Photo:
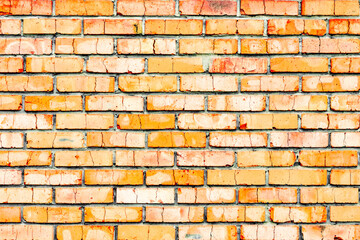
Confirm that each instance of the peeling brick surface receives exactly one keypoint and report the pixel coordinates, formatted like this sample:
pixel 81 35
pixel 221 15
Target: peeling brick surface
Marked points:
pixel 179 119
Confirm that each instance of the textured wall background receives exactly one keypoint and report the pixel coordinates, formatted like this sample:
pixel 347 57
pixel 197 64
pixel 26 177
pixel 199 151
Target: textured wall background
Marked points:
pixel 186 119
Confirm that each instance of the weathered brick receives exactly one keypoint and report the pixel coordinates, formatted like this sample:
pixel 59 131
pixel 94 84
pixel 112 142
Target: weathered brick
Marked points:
pixel 174 214
pixel 84 232
pixel 117 214
pixel 146 7
pixel 116 139
pixel 144 158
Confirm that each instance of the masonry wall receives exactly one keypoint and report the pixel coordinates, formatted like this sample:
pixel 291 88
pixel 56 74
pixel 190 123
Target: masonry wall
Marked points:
pixel 179 119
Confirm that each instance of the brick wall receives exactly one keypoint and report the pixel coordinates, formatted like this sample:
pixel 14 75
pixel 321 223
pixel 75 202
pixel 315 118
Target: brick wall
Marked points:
pixel 179 119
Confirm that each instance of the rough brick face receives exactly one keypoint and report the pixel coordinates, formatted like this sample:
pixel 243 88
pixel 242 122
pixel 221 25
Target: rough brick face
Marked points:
pixel 179 119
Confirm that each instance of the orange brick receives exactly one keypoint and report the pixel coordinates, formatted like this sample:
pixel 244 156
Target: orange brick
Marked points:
pixel 344 26
pixel 10 214
pixel 23 231
pixel 238 139
pixel 329 121
pixel 112 26
pixel 296 27
pixel 11 65
pixel 10 177
pixel 331 45
pixel 146 121
pixel 347 7
pixel 174 27
pixel 345 103
pixel 52 177
pixel 113 177
pixel 297 177
pixel 85 84
pixel 316 7
pixel 269 232
pixel 205 158
pixel 268 121
pixel 145 195
pixel 298 102
pixel 205 83
pixel 345 65
pixel 144 158
pixel 174 177
pixel 222 26
pixel 177 139
pixel 206 121
pixel 25 158
pixel 208 7
pixel 206 195
pixel 234 26
pixel 55 140
pixel 84 195
pixel 146 7
pixel 328 158
pixel 10 26
pixel 82 7
pixel 84 46
pixel 345 177
pixel 25 121
pixel 84 121
pixel 265 158
pixel 26 83
pixel 68 26
pixel 175 65
pixel 25 195
pixel 345 139
pixel 329 195
pixel 11 140
pixel 84 232
pixel 26 7
pixel 147 83
pixel 228 232
pixel 39 26
pixel 115 139
pixel 115 65
pixel 267 195
pixel 236 214
pixel 83 158
pixel 330 83
pixel 329 231
pixel 299 64
pixel 175 102
pixel 53 103
pixel 54 64
pixel 113 214
pixel 10 102
pixel 35 46
pixel 299 139
pixel 298 214
pixel 253 103
pixel 52 214
pixel 208 46
pixel 238 65
pixel 269 46
pixel 344 213
pixel 150 232
pixel 270 83
pixel 113 103
pixel 236 177
pixel 146 46
pixel 269 7
pixel 174 214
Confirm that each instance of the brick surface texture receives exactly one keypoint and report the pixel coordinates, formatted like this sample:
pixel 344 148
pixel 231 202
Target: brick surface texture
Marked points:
pixel 179 119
